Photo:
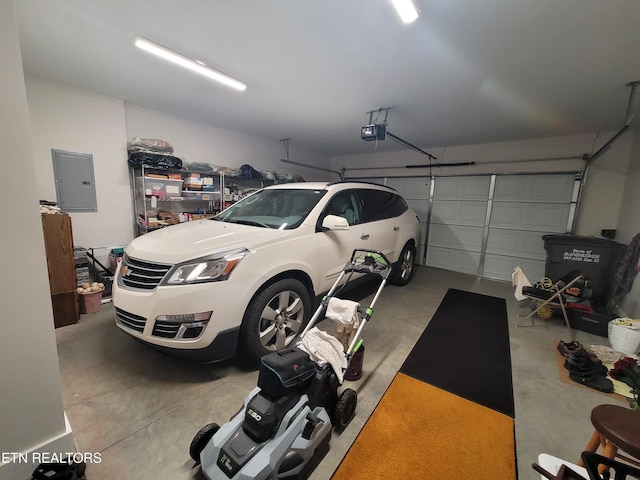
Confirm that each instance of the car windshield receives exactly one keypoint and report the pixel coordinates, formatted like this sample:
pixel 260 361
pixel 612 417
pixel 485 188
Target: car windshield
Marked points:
pixel 283 209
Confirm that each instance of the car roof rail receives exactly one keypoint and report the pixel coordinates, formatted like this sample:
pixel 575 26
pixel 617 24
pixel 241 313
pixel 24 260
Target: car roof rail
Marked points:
pixel 363 182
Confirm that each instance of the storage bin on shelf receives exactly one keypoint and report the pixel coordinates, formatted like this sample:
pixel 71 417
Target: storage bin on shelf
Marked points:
pixel 162 188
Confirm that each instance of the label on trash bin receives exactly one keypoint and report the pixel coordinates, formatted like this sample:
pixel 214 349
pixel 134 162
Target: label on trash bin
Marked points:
pixel 581 255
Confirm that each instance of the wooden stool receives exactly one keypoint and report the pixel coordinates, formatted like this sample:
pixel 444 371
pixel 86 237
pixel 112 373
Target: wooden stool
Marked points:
pixel 617 428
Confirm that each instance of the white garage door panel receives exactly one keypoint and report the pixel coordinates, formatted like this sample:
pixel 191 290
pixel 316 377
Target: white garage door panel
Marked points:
pixel 416 193
pixel 517 243
pixel 534 188
pixel 456 188
pixel 459 212
pixel 551 217
pixel 411 187
pixel 530 216
pixel 420 208
pixel 455 260
pixel 457 237
pixel 501 267
pixel 489 224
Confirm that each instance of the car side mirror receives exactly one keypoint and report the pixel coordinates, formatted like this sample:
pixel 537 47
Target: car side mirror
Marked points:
pixel 334 222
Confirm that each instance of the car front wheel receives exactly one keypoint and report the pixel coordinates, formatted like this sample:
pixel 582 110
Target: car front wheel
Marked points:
pixel 403 269
pixel 276 315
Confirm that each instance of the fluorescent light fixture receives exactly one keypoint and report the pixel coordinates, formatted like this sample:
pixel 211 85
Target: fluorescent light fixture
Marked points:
pixel 406 10
pixel 188 63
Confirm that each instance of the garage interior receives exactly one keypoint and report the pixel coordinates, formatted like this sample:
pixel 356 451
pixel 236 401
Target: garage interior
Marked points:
pixel 529 105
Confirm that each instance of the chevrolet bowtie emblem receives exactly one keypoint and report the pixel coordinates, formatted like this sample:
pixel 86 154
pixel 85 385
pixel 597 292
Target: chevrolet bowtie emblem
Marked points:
pixel 124 271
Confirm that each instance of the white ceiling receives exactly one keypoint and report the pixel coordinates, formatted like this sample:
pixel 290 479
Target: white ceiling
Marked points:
pixel 465 72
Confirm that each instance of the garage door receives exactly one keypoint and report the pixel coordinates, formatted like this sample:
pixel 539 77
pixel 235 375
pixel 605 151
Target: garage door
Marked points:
pixel 488 225
pixel 457 223
pixel 416 193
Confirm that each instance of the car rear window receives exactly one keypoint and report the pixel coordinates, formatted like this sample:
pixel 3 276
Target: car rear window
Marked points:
pixel 378 205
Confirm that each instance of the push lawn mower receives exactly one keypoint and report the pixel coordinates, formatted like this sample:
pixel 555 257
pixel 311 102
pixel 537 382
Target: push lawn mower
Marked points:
pixel 284 427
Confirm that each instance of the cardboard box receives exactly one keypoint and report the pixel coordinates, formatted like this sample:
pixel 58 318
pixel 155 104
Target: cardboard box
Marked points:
pixel 189 181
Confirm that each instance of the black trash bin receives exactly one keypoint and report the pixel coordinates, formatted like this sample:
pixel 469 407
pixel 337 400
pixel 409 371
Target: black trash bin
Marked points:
pixel 596 258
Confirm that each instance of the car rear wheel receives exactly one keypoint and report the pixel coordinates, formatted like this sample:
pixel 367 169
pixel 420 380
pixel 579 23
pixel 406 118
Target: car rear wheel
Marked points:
pixel 274 318
pixel 403 269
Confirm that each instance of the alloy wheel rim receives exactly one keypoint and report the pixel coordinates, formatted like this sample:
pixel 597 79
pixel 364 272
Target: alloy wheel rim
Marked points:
pixel 407 265
pixel 281 320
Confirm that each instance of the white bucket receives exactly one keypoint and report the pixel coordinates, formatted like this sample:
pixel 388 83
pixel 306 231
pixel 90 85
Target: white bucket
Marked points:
pixel 624 338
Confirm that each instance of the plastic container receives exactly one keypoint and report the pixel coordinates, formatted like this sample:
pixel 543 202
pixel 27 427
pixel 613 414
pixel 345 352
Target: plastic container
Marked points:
pixel 354 371
pixel 90 302
pixel 163 188
pixel 596 323
pixel 624 339
pixel 596 258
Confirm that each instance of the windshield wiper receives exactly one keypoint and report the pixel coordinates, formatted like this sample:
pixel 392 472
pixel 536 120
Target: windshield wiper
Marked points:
pixel 249 222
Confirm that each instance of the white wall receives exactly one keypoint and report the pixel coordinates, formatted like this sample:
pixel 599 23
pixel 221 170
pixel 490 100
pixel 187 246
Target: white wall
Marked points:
pixel 71 119
pixel 31 410
pixel 603 187
pixel 629 219
pixel 75 120
pixel 610 197
pixel 201 143
pixel 564 154
pixel 602 191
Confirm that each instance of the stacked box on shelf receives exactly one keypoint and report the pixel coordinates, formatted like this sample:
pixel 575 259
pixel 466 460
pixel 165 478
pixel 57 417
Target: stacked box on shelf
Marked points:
pixel 207 184
pixel 193 181
pixel 82 265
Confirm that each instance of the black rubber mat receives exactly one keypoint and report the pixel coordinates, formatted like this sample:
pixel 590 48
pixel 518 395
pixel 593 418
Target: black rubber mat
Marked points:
pixel 465 350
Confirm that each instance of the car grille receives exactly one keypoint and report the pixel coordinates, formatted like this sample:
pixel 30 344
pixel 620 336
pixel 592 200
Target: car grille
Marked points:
pixel 166 329
pixel 129 320
pixel 136 273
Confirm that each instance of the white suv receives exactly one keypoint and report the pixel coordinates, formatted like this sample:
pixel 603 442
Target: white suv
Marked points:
pixel 248 280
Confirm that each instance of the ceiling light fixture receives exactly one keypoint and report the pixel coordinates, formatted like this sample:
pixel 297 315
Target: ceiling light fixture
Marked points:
pixel 406 10
pixel 188 63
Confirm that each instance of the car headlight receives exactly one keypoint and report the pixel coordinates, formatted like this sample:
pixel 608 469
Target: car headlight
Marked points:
pixel 213 268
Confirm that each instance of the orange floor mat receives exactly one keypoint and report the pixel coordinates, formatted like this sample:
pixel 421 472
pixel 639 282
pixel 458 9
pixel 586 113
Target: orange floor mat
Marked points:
pixel 420 431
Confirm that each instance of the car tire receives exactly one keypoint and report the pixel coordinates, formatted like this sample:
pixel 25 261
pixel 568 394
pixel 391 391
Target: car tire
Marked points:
pixel 403 268
pixel 276 315
pixel 201 439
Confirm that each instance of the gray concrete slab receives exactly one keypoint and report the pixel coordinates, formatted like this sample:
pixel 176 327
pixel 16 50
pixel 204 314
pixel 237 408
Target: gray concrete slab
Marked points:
pixel 140 409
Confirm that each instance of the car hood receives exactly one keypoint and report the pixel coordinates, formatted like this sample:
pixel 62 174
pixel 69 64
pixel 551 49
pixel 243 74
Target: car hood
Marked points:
pixel 187 241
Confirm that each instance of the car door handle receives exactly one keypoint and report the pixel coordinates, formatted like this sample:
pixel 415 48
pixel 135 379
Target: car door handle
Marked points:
pixel 364 236
pixel 396 228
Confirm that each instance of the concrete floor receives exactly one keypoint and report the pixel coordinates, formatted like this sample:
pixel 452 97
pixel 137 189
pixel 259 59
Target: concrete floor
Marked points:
pixel 140 409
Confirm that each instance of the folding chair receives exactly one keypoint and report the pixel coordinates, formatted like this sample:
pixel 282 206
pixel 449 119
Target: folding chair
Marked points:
pixel 555 296
pixel 602 468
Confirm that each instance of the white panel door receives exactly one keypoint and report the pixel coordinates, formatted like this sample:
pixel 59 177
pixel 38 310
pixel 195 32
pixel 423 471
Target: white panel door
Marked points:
pixel 416 192
pixel 472 228
pixel 457 223
pixel 526 207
